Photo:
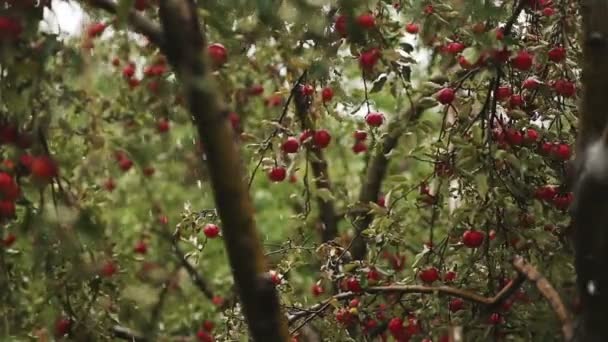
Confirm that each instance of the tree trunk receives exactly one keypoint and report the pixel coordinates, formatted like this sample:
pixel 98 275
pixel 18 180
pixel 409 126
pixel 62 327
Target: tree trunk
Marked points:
pixel 185 48
pixel 589 211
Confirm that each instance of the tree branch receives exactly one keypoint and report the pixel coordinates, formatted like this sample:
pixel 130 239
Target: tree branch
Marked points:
pixel 127 334
pixel 545 288
pixel 318 164
pixel 140 23
pixel 184 50
pixel 489 302
pixel 197 279
pixel 375 173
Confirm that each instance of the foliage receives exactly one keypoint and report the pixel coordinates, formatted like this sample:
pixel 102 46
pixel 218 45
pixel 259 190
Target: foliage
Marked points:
pixel 94 244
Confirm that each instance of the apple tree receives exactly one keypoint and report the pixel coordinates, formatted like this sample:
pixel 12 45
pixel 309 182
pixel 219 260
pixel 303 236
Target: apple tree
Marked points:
pixel 303 170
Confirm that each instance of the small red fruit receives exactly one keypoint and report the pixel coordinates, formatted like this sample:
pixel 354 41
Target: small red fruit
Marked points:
pixel 7 209
pixel 531 135
pixel 321 138
pixel 317 290
pixel 366 21
pixel 125 164
pixel 369 325
pixel 473 238
pixel 62 326
pixel 162 125
pixel 412 28
pixel 163 219
pixel 374 119
pixel 522 61
pixel 564 88
pixel 545 193
pixel 360 135
pixel 208 325
pixel 256 89
pixel 44 168
pixel 291 145
pixel 108 269
pixel 456 304
pixel 327 94
pixel 109 185
pixel 503 92
pixel 563 201
pixel 129 70
pixel 557 54
pixel 446 95
pixel 395 326
pixel 307 90
pixel 516 101
pixel 9 239
pixel 530 84
pixel 500 33
pixel 141 247
pixel 340 25
pixel 464 63
pixel 275 277
pixel 514 137
pixel 218 54
pixel 217 300
pixel 204 336
pixel 133 82
pixel 373 275
pixel 381 201
pixel 8 187
pixel 274 100
pixel 548 11
pixel 368 59
pixel 501 56
pixel 95 29
pixel 211 230
pixel 10 28
pixel 479 28
pixel 353 285
pixel 277 174
pixel 149 171
pixel 449 276
pixel 359 147
pixel 455 47
pixel 429 275
pixel 235 121
pixel 562 151
pixel 306 136
pixel 141 5
pixel 155 70
pixel 495 318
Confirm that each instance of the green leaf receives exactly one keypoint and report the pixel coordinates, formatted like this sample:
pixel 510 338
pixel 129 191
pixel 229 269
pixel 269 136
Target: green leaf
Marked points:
pixel 144 295
pixel 379 83
pixel 471 54
pixel 376 209
pixel 426 103
pixel 517 114
pixel 122 13
pixel 481 181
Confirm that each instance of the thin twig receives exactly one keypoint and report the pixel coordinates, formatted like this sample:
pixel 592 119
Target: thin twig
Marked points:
pixel 276 131
pixel 140 23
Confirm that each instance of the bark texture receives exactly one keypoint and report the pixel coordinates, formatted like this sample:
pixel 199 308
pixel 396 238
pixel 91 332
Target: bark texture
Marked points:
pixel 590 208
pixel 184 46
